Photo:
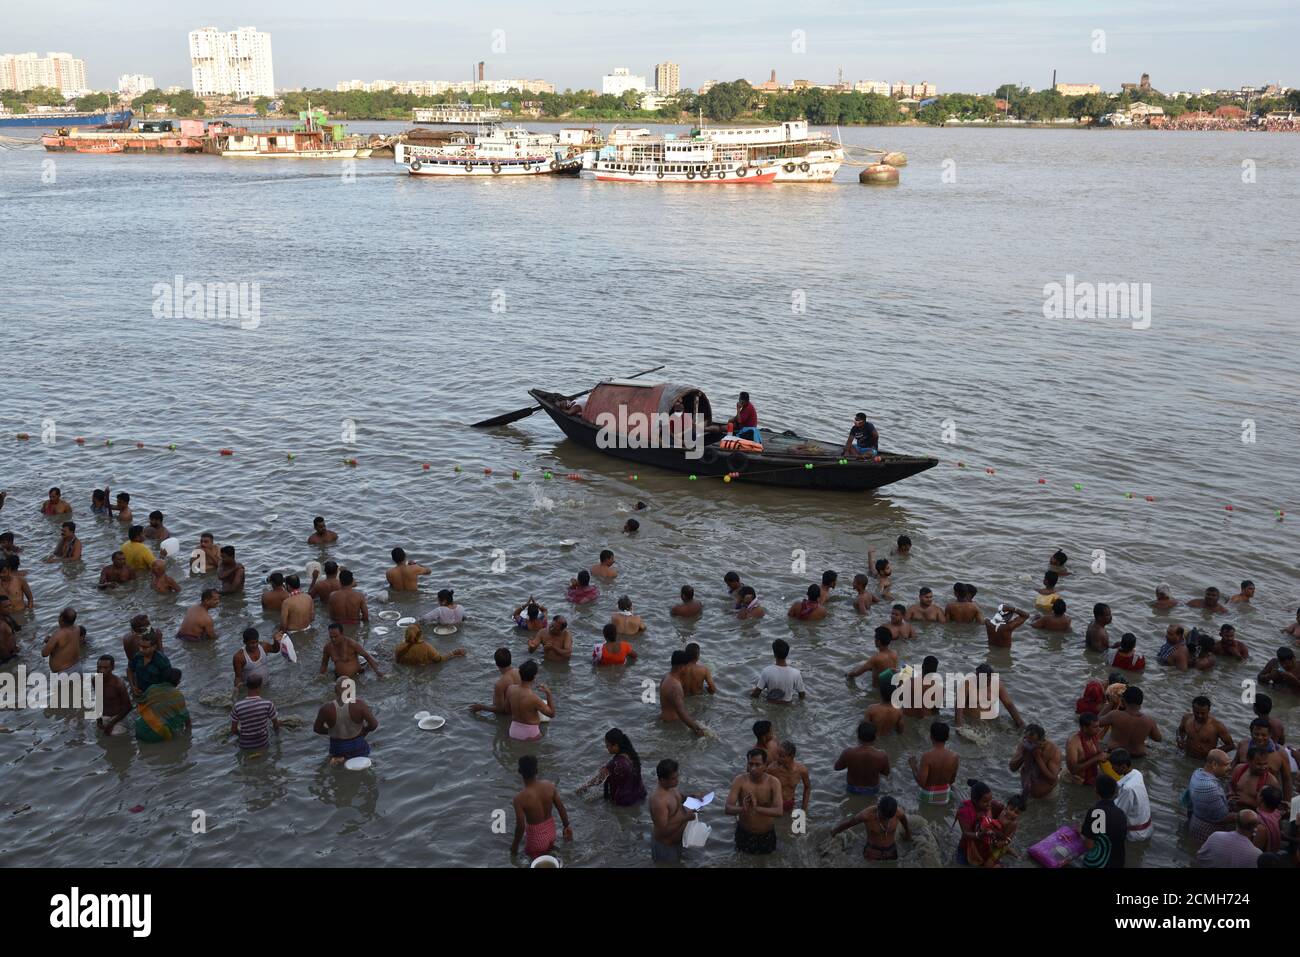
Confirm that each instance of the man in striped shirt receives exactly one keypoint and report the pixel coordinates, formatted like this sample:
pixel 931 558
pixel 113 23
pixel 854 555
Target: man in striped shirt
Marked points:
pixel 253 717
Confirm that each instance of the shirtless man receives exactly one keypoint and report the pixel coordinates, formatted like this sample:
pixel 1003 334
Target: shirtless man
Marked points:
pixel 626 623
pixel 790 773
pixel 898 626
pixel 211 553
pixel 358 717
pixel 55 505
pixel 273 598
pixel 689 606
pixel 322 587
pixel 1244 596
pixel 1212 602
pixel 69 547
pixel 1276 761
pixel 765 739
pixel 925 609
pixel 830 579
pixel 1164 599
pixel 1293 629
pixel 865 599
pixel 937 769
pixel 695 677
pixel 883 714
pixel 555 642
pixel 508 676
pixel 1229 645
pixel 197 624
pixel 755 798
pixel 117 697
pixel 1039 762
pixel 8 631
pixel 252 658
pixel 346 605
pixel 534 807
pixel 1057 563
pixel 118 572
pixel 1282 671
pixel 123 508
pixel 883 571
pixel 160 581
pixel 672 694
pixel 320 534
pixel 1085 751
pixel 156 531
pixel 882 822
pixel 733 583
pixel 1129 727
pixel 1250 778
pixel 1004 697
pixel 404 575
pixel 297 610
pixel 668 816
pixel 1057 620
pixel 864 761
pixel 930 678
pixel 1199 733
pixel 63 646
pixel 884 658
pixel 526 708
pixel 1097 639
pixel 344 653
pixel 810 608
pixel 605 567
pixel 131 640
pixel 229 572
pixel 747 604
pixel 1002 626
pixel 963 609
pixel 14 583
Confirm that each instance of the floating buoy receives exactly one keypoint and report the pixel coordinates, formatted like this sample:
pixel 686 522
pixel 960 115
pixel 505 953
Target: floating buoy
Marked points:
pixel 23 436
pixel 1128 494
pixel 1078 486
pixel 289 456
pixel 79 440
pixel 897 158
pixel 844 461
pixel 734 475
pixel 108 442
pixel 426 466
pixel 227 451
pixel 456 469
pixel 487 471
pixel 990 472
pixel 1280 515
pixel 726 478
pixel 547 475
pixel 692 478
pixel 961 465
pixel 574 477
pixel 882 174
pixel 807 465
pixel 139 445
pixel 516 473
pixel 1151 498
pixel 351 462
pixel 172 448
pixel 1227 508
pixel 1042 481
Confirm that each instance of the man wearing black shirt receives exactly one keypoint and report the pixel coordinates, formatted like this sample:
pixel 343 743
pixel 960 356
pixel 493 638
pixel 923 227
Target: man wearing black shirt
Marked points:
pixel 864 440
pixel 1105 828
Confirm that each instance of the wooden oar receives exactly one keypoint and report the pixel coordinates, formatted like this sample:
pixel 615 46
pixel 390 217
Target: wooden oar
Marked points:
pixel 518 414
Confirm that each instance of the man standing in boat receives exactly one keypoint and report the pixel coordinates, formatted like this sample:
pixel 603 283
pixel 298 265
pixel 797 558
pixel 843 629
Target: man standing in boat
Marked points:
pixel 864 440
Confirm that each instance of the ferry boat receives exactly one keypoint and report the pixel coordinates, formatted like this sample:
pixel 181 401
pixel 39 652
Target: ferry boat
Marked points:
pixel 456 114
pixel 313 138
pixel 54 118
pixel 496 151
pixel 637 156
pixel 801 157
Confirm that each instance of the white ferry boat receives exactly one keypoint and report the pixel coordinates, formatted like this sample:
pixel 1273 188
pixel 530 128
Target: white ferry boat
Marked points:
pixel 637 156
pixel 457 114
pixel 498 151
pixel 801 157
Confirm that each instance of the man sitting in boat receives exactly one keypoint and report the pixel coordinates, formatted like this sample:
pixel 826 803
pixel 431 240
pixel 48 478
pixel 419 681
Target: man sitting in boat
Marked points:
pixel 746 418
pixel 864 440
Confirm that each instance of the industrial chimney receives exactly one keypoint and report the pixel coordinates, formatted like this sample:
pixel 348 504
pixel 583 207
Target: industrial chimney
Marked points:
pixel 480 71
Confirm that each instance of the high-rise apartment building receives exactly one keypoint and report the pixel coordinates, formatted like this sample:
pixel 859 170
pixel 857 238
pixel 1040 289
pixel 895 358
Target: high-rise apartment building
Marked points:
pixel 668 78
pixel 235 64
pixel 58 71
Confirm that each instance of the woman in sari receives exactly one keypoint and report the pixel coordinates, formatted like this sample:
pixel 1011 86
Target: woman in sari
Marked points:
pixel 162 710
pixel 622 775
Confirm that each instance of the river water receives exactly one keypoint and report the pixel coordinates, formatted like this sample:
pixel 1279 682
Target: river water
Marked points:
pixel 404 308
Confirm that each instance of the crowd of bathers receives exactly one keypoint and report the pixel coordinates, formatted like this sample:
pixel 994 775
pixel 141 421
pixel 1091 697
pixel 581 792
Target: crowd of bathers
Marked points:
pixel 1248 822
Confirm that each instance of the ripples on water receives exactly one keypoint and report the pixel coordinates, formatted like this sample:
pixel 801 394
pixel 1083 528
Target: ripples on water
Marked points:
pixel 924 303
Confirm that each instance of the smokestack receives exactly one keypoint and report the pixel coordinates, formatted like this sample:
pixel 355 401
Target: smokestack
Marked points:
pixel 773 76
pixel 1053 79
pixel 480 71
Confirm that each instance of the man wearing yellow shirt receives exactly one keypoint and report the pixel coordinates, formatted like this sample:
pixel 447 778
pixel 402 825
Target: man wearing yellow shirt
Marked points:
pixel 138 555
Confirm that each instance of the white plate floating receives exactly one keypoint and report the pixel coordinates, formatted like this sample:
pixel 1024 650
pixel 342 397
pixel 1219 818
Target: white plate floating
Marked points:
pixel 421 715
pixel 432 723
pixel 379 630
pixel 444 629
pixel 405 622
pixel 357 764
pixel 567 543
pixel 390 615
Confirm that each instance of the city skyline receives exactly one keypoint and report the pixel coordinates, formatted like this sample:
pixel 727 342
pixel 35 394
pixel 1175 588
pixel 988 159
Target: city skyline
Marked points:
pixel 971 48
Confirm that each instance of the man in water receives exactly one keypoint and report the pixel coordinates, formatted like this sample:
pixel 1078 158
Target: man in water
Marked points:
pixel 322 587
pixel 937 769
pixel 211 553
pixel 1212 602
pixel 8 631
pixel 1250 778
pixel 863 439
pixel 117 696
pixel 1097 638
pixel 733 583
pixel 1174 651
pixel 69 547
pixel 555 642
pixel 320 534
pixel 347 720
pixel 883 714
pixel 882 822
pixel 346 605
pixel 55 505
pixel 864 762
pixel 160 581
pixel 885 658
pixel 1104 829
pixel 1039 762
pixel 1129 727
pixel 230 572
pixel 1001 628
pixel 696 678
pixel 534 807
pixel 765 738
pixel 123 508
pixel 747 604
pixel 672 694
pixel 1164 598
pixel 790 773
pixel 755 798
pixel 864 598
pixel 254 658
pixel 526 708
pixel 157 531
pixel 1084 752
pixel 1229 645
pixel 1057 563
pixel 925 609
pixel 404 575
pixel 884 573
pixel 115 573
pixel 297 610
pixel 1293 629
pixel 273 598
pixel 1199 732
pixel 1282 671
pixel 1244 596
pixel 689 607
pixel 1132 797
pixel 1232 848
pixel 197 623
pixel 809 608
pixel 778 681
pixel 1276 757
pixel 345 654
pixel 624 621
pixel 830 578
pixel 131 640
pixel 605 567
pixel 667 815
pixel 974 712
pixel 1057 620
pixel 963 609
pixel 253 717
pixel 507 677
pixel 63 646
pixel 898 626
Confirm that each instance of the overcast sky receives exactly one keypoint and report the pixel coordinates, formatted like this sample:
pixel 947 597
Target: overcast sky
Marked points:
pixel 968 45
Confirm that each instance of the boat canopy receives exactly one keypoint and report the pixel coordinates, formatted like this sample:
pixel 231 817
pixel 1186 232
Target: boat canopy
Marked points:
pixel 644 398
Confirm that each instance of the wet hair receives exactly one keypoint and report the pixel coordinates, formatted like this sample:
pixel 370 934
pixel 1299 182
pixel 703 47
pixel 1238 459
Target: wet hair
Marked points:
pixel 1060 558
pixel 814 592
pixel 641 506
pixel 861 580
pixel 605 553
pixel 108 658
pixel 631 525
pixel 866 732
pixel 977 789
pixel 1120 756
pixel 609 632
pixel 318 518
pixel 293 581
pixel 904 541
pixel 1225 630
pixel 1201 701
pixel 208 593
pixel 620 740
pixel 881 564
pixel 346 577
pixel 67 616
pixel 1133 695
pixel 925 590
pixel 883 635
pixel 528 670
pixel 276 579
pixel 1247 584
pixel 1128 641
pixel 253 681
pixel 679 658
pixel 1270 797
pixel 1086 720
pixel 584 578
pixel 123 497
pixel 1017 801
pixel 1263 705
pixel 156 514
pixel 1285 654
pixel 207 535
pixel 70 526
pixel 502 657
pixel 780 648
pixel 971 592
pixel 744 397
pixel 335 626
pixel 787 747
pixel 688 593
pixel 528 767
pixel 887 807
pixel 748 590
pixel 1058 607
pixel 1050 578
pixel 1106 786
pixel 445 594
pixel 624 603
pixel 228 551
pixel 135 532
pixel 693 652
pixel 250 634
pixel 665 769
pixel 762 729
pixel 829 578
pixel 399 555
pixel 901 609
pixel 1036 730
pixel 139 621
pixel 1100 608
pixel 755 753
pixel 331 567
pixel 939 731
pixel 929 665
pixel 1264 723
pixel 731 578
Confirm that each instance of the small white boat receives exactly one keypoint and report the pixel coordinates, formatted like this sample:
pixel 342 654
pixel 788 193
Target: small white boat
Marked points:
pixel 498 151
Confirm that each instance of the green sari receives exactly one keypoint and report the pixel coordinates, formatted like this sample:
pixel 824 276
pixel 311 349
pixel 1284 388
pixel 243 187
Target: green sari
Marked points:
pixel 162 712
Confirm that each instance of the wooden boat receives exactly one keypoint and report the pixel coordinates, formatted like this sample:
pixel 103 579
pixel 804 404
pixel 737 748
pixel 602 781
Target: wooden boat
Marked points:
pixel 784 460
